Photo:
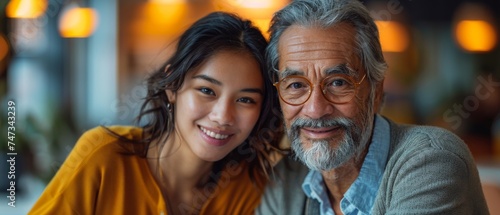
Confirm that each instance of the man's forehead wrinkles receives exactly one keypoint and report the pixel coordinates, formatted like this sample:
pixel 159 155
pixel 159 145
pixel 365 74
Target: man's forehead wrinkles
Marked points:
pixel 324 51
pixel 318 54
pixel 312 47
pixel 322 43
pixel 308 60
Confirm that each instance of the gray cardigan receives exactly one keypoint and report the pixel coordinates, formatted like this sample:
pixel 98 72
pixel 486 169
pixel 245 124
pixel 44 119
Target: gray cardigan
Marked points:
pixel 429 171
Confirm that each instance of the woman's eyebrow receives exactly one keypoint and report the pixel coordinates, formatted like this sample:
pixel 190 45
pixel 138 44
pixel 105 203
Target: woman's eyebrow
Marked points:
pixel 214 81
pixel 207 78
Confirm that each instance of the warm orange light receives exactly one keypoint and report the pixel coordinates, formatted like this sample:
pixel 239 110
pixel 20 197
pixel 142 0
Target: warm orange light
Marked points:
pixel 475 35
pixel 78 22
pixel 251 9
pixel 26 8
pixel 263 25
pixel 168 1
pixel 254 3
pixel 393 36
pixel 160 19
pixel 4 47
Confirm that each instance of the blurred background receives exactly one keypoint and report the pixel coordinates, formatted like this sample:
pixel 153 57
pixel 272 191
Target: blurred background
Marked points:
pixel 70 65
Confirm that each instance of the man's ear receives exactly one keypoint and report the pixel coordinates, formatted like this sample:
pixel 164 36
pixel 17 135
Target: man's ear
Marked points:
pixel 379 96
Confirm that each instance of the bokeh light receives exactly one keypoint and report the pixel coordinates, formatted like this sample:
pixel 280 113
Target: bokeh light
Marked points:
pixel 476 35
pixel 393 36
pixel 78 22
pixel 474 27
pixel 26 8
pixel 4 47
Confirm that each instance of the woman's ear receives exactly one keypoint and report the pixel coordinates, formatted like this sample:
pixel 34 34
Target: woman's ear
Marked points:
pixel 166 68
pixel 170 95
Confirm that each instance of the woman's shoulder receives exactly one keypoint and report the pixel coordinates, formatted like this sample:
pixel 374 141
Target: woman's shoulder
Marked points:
pixel 103 142
pixel 103 136
pixel 111 133
pixel 95 167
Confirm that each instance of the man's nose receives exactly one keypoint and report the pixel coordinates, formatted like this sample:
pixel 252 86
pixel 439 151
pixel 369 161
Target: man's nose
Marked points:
pixel 317 106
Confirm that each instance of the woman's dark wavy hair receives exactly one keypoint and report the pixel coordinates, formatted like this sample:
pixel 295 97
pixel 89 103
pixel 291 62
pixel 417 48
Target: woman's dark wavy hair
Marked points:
pixel 213 33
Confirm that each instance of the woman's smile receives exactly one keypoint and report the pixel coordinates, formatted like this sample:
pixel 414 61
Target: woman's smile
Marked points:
pixel 214 134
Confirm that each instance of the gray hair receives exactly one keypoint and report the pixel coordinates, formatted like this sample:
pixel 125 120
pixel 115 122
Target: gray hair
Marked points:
pixel 325 14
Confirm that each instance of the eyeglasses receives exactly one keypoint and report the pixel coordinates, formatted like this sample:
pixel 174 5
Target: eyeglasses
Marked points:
pixel 296 90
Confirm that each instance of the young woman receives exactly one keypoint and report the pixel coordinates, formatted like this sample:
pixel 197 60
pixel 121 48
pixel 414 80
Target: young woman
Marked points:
pixel 208 130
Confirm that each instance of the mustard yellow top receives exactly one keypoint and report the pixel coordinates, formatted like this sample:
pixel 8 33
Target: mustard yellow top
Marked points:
pixel 98 177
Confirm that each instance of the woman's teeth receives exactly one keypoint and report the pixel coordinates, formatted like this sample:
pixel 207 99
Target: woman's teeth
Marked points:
pixel 213 134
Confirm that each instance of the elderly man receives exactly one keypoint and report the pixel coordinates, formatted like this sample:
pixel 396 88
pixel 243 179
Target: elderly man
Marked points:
pixel 329 71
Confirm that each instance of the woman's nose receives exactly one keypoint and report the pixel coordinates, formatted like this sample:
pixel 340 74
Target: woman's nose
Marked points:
pixel 222 113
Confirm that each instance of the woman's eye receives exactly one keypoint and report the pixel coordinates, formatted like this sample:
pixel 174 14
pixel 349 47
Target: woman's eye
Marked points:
pixel 247 100
pixel 207 91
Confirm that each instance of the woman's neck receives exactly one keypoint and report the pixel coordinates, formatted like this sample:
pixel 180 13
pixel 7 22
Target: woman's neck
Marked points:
pixel 181 175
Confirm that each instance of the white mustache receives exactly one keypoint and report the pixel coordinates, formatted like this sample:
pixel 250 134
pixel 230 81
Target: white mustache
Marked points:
pixel 320 123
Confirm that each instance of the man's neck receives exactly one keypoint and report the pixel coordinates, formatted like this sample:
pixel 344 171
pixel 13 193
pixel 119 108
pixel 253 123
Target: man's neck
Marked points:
pixel 339 180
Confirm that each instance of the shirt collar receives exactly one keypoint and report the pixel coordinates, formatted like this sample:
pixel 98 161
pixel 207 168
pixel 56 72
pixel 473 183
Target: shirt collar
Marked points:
pixel 373 167
pixel 314 188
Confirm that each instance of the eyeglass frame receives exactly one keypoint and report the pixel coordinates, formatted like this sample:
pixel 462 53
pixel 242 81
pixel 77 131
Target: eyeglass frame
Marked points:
pixel 312 85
